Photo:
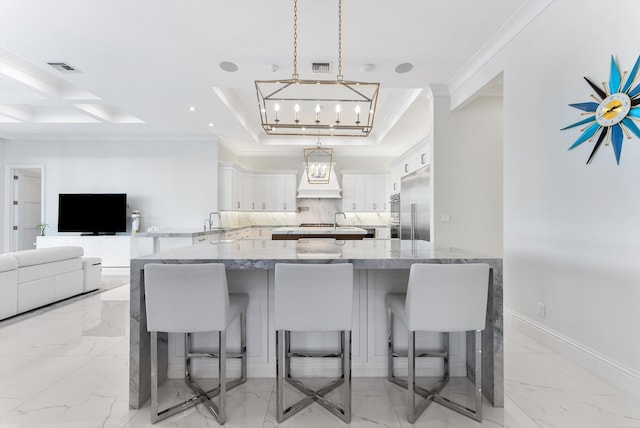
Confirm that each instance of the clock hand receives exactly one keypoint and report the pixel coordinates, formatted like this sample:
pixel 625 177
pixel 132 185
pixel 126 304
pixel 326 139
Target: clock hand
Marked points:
pixel 604 113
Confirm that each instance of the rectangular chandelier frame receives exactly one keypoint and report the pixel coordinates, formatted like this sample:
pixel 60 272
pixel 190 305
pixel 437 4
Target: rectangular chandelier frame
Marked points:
pixel 336 108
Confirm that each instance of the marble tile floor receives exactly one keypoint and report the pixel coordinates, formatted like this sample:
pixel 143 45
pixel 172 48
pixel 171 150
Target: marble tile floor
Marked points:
pixel 67 366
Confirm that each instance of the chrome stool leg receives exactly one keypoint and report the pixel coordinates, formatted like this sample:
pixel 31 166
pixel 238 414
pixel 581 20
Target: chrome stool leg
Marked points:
pixel 390 374
pixel 202 396
pixel 283 376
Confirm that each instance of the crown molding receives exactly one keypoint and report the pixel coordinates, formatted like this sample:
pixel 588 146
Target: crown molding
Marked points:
pixel 93 138
pixel 523 17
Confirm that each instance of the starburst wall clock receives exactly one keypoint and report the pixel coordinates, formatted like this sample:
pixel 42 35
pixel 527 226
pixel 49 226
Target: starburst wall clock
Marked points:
pixel 612 117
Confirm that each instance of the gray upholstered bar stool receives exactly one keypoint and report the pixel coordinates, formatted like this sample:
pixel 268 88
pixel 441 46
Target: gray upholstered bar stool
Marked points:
pixel 191 298
pixel 440 298
pixel 313 297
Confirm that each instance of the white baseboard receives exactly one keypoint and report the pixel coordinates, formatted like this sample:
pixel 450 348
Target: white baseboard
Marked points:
pixel 612 371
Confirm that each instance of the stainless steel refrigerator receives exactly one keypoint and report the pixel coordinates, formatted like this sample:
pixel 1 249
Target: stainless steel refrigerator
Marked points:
pixel 415 205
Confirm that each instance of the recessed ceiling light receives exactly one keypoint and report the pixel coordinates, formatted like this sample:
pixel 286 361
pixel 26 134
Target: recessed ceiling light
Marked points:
pixel 210 125
pixel 228 66
pixel 405 67
pixel 192 108
pixel 367 68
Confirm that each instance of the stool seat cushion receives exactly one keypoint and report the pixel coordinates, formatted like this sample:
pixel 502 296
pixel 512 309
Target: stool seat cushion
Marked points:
pixel 313 297
pixel 395 302
pixel 447 298
pixel 188 298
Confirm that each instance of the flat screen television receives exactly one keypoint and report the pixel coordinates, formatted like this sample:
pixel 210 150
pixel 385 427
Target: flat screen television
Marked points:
pixel 92 213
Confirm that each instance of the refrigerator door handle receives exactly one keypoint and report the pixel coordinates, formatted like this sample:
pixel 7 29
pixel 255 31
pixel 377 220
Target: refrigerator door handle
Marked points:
pixel 413 221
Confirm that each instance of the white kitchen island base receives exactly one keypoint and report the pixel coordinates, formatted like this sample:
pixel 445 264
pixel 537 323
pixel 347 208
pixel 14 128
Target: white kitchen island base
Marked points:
pixel 381 266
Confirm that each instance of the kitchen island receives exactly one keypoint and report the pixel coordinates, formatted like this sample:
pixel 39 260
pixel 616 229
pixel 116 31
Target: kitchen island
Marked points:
pixel 381 266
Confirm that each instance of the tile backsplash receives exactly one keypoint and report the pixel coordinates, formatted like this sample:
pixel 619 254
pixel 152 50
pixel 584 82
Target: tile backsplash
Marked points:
pixel 309 211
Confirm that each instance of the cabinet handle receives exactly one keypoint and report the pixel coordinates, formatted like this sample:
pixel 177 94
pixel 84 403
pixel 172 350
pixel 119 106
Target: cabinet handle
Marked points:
pixel 238 205
pixel 394 186
pixel 423 158
pixel 253 205
pixel 406 167
pixel 264 206
pixel 354 206
pixel 284 206
pixel 374 205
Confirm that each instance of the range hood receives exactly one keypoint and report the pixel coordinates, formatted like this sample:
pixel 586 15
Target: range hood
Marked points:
pixel 330 190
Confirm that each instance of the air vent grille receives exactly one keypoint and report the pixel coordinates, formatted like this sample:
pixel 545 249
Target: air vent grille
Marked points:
pixel 63 67
pixel 318 67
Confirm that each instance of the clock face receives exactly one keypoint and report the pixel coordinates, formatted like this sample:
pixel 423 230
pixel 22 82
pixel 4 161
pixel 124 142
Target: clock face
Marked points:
pixel 613 109
pixel 613 115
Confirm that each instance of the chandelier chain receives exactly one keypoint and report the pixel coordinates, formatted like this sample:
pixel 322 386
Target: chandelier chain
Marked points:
pixel 295 39
pixel 339 39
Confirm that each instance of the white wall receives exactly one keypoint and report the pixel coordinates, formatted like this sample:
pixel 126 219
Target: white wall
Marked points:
pixel 571 231
pixel 4 233
pixel 467 175
pixel 174 184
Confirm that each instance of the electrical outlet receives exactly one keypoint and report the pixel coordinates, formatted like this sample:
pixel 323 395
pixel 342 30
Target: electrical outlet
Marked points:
pixel 541 310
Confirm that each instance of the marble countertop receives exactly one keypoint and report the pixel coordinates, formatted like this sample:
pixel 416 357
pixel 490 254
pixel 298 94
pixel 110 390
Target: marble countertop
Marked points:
pixel 340 230
pixel 192 233
pixel 179 233
pixel 364 254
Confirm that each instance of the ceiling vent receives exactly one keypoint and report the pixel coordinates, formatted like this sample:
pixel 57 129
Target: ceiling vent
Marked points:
pixel 63 67
pixel 320 67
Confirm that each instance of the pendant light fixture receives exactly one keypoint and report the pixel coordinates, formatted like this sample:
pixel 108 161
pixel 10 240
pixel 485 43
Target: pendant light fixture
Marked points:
pixel 339 108
pixel 318 162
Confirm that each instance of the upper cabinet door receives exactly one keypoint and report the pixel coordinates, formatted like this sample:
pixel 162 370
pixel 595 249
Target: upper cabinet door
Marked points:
pixel 348 197
pixel 365 192
pixel 285 193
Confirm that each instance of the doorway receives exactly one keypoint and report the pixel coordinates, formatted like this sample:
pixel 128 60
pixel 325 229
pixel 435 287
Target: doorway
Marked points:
pixel 26 207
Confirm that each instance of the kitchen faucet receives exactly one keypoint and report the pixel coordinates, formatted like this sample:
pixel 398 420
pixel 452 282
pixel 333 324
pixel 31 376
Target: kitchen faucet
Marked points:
pixel 211 221
pixel 206 220
pixel 335 218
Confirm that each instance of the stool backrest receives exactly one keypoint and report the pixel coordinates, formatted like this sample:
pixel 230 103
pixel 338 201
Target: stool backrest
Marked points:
pixel 182 298
pixel 447 297
pixel 313 297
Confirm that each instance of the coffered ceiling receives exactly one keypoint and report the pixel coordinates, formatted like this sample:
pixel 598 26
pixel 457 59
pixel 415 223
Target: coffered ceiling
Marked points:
pixel 141 64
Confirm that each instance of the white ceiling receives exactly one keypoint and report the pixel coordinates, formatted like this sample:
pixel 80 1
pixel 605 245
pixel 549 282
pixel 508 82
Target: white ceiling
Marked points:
pixel 143 63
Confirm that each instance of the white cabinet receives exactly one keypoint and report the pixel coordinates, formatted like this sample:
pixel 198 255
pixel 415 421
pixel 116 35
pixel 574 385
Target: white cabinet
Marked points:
pixel 264 193
pixel 115 251
pixel 364 192
pixel 241 233
pixel 246 193
pixel 383 233
pixel 229 188
pixel 285 193
pixel 240 190
pixel 261 232
pixel 414 162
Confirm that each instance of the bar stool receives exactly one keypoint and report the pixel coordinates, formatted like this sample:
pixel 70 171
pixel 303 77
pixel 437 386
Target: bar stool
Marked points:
pixel 440 298
pixel 313 297
pixel 190 298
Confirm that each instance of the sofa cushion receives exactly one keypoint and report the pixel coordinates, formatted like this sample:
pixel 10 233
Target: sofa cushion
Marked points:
pixel 35 272
pixel 46 255
pixel 7 263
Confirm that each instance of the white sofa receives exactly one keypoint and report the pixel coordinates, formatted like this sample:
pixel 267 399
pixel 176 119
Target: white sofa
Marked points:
pixel 33 278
